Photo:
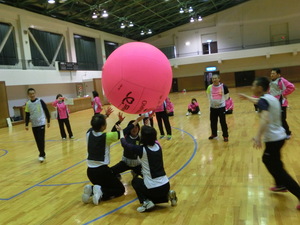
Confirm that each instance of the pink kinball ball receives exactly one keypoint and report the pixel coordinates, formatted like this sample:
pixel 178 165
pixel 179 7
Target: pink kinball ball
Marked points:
pixel 136 78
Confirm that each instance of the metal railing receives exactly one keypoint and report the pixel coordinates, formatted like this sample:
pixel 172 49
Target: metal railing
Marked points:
pixel 41 64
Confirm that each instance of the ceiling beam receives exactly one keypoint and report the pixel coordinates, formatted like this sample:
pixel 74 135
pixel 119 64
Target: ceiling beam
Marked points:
pixel 156 13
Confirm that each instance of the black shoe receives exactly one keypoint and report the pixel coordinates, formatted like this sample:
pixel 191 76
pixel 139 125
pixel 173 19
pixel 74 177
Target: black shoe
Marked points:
pixel 212 137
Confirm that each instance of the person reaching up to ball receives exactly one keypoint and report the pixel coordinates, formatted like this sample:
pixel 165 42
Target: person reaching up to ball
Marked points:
pixel 154 187
pixel 148 117
pixel 129 159
pixel 105 184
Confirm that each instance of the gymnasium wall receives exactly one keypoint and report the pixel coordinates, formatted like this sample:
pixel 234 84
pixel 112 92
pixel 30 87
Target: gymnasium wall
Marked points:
pixel 243 34
pixel 47 82
pixel 17 94
pixel 249 37
pixel 194 83
pixel 253 24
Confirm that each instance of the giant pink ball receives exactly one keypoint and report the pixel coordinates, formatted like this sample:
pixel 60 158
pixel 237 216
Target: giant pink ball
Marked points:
pixel 136 78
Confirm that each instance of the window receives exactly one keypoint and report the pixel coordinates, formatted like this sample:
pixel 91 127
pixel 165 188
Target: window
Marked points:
pixel 209 43
pixel 210 47
pixel 110 47
pixel 46 47
pixel 169 51
pixel 8 52
pixel 86 52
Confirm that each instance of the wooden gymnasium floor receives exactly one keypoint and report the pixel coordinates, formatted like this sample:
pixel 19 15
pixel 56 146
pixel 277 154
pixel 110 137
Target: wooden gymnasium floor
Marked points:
pixel 217 183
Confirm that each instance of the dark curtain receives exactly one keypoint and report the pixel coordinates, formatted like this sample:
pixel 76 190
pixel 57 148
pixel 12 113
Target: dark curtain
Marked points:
pixel 8 55
pixel 110 47
pixel 169 51
pixel 86 54
pixel 48 42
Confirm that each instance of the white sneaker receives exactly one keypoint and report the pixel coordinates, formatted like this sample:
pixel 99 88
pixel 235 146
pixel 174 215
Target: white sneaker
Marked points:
pixel 87 193
pixel 41 159
pixel 187 114
pixel 97 194
pixel 72 137
pixel 146 205
pixel 172 197
pixel 199 113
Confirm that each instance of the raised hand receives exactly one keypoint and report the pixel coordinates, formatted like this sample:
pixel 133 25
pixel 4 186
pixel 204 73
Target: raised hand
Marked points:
pixel 121 117
pixel 108 111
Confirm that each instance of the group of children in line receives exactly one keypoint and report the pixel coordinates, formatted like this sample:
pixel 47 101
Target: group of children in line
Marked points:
pixel 142 153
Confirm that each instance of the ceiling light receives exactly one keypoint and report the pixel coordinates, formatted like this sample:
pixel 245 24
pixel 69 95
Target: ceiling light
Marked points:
pixel 51 1
pixel 125 23
pixel 186 9
pixel 130 24
pixel 192 20
pixel 95 16
pixel 104 14
pixel 122 26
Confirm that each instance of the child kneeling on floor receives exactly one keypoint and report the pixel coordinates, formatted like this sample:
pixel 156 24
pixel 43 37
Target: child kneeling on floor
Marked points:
pixel 154 187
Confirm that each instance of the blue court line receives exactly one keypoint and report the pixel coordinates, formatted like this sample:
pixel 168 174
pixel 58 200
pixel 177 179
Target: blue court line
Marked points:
pixel 110 212
pixel 38 184
pixel 5 152
pixel 42 181
pixel 122 206
pixel 194 152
